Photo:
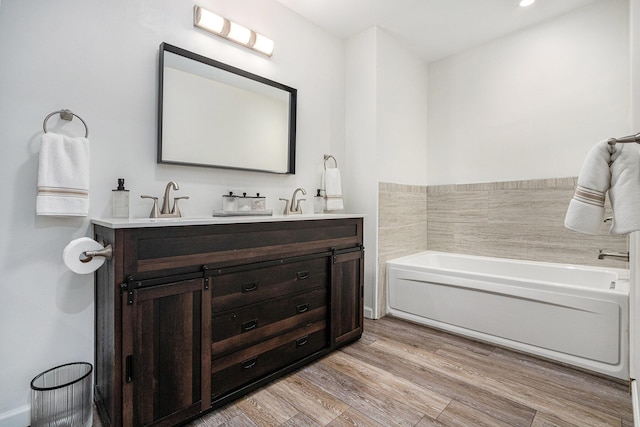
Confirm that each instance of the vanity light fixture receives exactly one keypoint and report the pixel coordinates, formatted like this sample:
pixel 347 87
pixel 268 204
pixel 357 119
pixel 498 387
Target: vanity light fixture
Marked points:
pixel 223 27
pixel 525 3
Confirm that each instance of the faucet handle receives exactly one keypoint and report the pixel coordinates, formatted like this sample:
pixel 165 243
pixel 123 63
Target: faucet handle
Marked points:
pixel 154 210
pixel 298 207
pixel 176 209
pixel 286 206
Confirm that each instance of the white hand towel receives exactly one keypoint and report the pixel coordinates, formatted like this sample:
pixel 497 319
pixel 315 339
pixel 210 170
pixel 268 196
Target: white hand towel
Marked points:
pixel 625 189
pixel 586 209
pixel 63 176
pixel 333 189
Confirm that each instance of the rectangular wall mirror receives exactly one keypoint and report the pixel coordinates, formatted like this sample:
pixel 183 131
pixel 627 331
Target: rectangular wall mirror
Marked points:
pixel 215 115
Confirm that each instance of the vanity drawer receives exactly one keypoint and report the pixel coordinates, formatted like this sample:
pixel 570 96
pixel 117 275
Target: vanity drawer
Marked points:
pixel 234 290
pixel 243 367
pixel 235 329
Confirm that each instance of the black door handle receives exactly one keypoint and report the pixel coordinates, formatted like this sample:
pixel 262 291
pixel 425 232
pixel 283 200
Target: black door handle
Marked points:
pixel 128 368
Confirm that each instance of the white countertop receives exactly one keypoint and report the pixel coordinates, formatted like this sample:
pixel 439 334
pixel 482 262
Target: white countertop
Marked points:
pixel 176 222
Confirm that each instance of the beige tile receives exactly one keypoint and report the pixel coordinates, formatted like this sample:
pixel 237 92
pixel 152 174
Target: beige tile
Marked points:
pixel 490 240
pixel 402 226
pixel 512 206
pixel 467 206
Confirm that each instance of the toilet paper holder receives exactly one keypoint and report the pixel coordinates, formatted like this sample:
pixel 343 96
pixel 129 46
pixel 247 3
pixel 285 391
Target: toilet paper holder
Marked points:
pixel 106 252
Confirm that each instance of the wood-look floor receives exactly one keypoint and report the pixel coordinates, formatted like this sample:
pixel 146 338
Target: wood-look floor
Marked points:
pixel 401 374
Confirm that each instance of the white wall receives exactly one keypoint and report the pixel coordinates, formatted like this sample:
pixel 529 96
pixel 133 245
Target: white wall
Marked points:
pixel 401 115
pixel 100 61
pixel 386 107
pixel 361 186
pixel 530 105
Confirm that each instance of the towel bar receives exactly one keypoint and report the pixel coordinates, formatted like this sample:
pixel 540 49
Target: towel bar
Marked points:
pixel 625 139
pixel 65 115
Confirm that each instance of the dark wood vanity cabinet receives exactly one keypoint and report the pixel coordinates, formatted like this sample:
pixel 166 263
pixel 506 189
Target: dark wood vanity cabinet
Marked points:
pixel 191 317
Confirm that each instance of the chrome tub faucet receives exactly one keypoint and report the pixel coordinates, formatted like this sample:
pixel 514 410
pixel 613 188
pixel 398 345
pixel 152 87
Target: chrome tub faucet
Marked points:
pixel 622 256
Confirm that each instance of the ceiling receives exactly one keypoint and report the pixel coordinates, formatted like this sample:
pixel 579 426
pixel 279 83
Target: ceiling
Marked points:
pixel 433 29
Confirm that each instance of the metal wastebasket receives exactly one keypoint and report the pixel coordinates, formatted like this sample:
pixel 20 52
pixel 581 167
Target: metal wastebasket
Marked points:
pixel 62 396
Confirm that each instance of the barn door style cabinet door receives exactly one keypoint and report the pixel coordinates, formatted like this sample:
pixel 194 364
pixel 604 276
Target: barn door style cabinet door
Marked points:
pixel 190 317
pixel 347 295
pixel 167 353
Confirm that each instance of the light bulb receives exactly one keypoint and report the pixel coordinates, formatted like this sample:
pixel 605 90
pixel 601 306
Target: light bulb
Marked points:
pixel 263 44
pixel 209 21
pixel 238 33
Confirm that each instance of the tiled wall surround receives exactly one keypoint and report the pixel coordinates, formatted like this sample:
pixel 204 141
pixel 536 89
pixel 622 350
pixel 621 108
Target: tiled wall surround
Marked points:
pixel 402 227
pixel 513 219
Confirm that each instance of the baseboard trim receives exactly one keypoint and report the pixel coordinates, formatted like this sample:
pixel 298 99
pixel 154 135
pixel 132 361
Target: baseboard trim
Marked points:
pixel 368 312
pixel 16 417
pixel 635 400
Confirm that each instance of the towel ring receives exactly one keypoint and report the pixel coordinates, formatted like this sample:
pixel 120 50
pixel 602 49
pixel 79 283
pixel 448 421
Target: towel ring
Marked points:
pixel 68 116
pixel 327 157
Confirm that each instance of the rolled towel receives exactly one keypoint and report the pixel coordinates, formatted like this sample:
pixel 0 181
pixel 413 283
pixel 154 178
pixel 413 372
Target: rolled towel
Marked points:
pixel 63 176
pixel 586 209
pixel 625 189
pixel 333 189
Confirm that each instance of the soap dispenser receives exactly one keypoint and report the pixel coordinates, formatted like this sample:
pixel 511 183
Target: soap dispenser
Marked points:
pixel 318 202
pixel 120 201
pixel 229 202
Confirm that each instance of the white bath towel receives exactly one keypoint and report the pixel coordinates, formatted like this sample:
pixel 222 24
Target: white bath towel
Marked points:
pixel 624 193
pixel 607 168
pixel 63 176
pixel 333 189
pixel 586 209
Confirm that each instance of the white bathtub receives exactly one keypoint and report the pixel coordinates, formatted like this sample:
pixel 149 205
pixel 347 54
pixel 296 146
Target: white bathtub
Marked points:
pixel 573 314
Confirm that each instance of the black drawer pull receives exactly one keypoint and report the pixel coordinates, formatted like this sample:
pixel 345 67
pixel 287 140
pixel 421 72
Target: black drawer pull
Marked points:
pixel 302 341
pixel 251 324
pixel 302 308
pixel 248 287
pixel 248 364
pixel 302 275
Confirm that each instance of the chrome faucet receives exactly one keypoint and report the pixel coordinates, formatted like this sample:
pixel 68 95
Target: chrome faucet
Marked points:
pixel 294 207
pixel 165 212
pixel 295 204
pixel 165 199
pixel 623 256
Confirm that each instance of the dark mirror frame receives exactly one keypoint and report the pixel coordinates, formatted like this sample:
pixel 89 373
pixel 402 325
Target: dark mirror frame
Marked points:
pixel 293 93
